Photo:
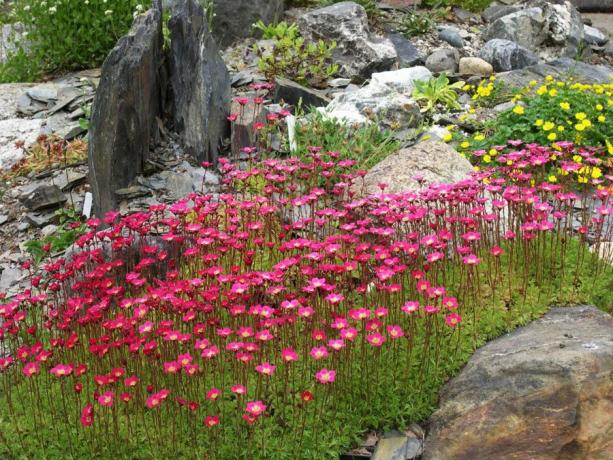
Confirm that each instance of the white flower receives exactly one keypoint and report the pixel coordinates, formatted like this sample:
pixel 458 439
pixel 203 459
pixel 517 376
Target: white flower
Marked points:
pixel 26 8
pixel 108 12
pixel 53 9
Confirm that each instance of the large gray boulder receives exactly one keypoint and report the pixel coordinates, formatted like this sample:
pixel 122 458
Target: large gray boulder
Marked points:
pixel 551 29
pixel 506 55
pixel 387 99
pixel 199 82
pixel 432 162
pixel 124 112
pixel 558 68
pixel 443 60
pixel 525 27
pixel 358 53
pixel 542 392
pixel 234 19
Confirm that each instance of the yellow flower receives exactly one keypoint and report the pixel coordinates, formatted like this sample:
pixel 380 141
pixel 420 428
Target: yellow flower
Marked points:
pixel 532 83
pixel 542 90
pixel 553 179
pixel 565 105
pixel 519 110
pixel 602 119
pixel 465 145
pixel 509 162
pixel 599 107
pixel 549 78
pixel 582 179
pixel 553 92
pixel 580 116
pixel 552 136
pixel 587 123
pixel 477 168
pixel 539 122
pixel 560 128
pixel 447 137
pixel 493 152
pixel 548 126
pixel 479 137
pixel 579 127
pixel 471 110
pixel 577 158
pixel 596 173
pixel 465 87
pixel 609 146
pixel 493 78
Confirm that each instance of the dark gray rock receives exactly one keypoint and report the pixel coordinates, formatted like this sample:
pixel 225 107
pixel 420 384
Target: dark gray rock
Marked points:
pixel 564 27
pixel 358 54
pixel 125 109
pixel 132 192
pixel 559 68
pixel 451 36
pixel 43 197
pixel 291 93
pixel 199 83
pixel 234 19
pixel 541 392
pixel 494 11
pixel 596 6
pixel 408 54
pixel 594 36
pixel 443 60
pixel 506 55
pixel 525 27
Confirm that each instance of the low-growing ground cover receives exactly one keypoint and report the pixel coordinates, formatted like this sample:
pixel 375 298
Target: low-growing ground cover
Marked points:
pixel 283 319
pixel 544 113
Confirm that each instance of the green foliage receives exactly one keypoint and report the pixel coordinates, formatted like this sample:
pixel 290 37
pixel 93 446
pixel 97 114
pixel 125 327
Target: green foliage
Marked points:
pixel 475 6
pixel 437 90
pixel 68 35
pixel 277 31
pixel 293 57
pixel 394 403
pixel 70 228
pixel 414 24
pixel 548 113
pixel 367 145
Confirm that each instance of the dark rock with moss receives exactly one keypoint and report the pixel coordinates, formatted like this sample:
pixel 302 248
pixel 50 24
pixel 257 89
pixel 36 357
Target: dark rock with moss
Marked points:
pixel 125 110
pixel 199 83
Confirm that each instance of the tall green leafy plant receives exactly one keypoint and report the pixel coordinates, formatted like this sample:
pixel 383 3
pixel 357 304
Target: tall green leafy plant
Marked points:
pixel 67 35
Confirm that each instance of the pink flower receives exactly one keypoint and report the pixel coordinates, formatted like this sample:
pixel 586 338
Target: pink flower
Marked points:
pixel 325 376
pixel 395 332
pixel 211 420
pixel 61 370
pixel 410 307
pixel 239 389
pixel 213 394
pixel 471 259
pixel 318 352
pixel 255 408
pixel 289 355
pixel 30 369
pixel 265 369
pixel 375 339
pixel 106 399
pixel 453 319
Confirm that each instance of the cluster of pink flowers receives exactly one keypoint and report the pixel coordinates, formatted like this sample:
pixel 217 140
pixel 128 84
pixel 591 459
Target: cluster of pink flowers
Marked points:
pixel 238 306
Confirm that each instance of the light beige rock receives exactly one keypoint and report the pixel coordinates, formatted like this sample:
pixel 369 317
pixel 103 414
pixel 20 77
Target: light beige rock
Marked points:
pixel 435 161
pixel 543 392
pixel 475 66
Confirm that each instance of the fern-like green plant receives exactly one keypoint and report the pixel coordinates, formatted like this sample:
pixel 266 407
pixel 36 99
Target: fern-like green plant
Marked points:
pixel 277 31
pixel 437 90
